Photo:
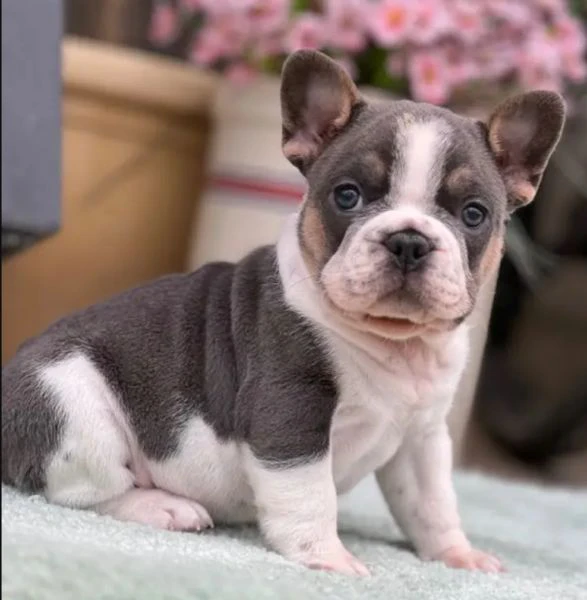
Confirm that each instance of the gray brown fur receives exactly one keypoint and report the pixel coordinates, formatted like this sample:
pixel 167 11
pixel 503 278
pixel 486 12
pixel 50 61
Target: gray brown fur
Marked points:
pixel 219 343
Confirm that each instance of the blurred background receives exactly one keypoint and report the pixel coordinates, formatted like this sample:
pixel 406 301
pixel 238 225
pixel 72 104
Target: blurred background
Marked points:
pixel 141 137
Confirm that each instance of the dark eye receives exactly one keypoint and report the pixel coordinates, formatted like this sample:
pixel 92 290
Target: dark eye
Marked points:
pixel 347 196
pixel 473 214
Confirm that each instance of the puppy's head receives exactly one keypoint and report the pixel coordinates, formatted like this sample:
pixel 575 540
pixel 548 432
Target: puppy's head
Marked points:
pixel 407 203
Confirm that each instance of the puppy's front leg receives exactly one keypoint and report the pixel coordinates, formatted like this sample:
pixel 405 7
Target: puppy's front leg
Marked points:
pixel 297 512
pixel 417 485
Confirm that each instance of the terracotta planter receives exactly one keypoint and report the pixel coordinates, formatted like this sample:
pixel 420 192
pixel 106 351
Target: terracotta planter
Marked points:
pixel 135 134
pixel 121 22
pixel 253 187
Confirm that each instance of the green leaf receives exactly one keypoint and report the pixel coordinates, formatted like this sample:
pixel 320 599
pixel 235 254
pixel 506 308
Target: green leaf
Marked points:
pixel 579 8
pixel 271 64
pixel 300 6
pixel 372 68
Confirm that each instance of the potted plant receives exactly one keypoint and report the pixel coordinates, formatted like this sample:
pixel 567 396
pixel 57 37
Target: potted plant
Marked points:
pixel 466 54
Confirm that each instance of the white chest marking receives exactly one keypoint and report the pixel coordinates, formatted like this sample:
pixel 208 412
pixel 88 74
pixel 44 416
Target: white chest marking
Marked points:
pixel 379 403
pixel 384 389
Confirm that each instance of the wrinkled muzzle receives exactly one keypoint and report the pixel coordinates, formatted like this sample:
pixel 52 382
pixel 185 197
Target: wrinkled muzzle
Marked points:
pixel 400 264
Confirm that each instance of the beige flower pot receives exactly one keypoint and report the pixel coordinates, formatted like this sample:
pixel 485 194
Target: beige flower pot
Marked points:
pixel 253 188
pixel 135 133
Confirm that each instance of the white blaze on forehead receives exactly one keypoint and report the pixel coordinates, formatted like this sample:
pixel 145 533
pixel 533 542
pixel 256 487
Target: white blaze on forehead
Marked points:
pixel 421 146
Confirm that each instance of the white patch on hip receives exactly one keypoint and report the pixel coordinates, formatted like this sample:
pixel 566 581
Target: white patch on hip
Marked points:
pixel 99 459
pixel 416 177
pixel 96 456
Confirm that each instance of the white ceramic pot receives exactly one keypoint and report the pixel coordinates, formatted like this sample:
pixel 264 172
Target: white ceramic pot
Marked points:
pixel 253 187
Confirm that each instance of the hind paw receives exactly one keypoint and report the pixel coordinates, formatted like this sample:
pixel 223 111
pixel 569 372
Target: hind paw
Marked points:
pixel 159 509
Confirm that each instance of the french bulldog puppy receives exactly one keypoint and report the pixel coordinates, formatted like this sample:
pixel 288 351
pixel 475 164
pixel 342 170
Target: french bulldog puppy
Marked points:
pixel 261 390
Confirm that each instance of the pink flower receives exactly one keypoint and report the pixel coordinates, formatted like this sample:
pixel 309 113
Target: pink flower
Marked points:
pixel 240 74
pixel 308 32
pixel 268 45
pixel 498 62
pixel 214 9
pixel 459 65
pixel 163 24
pixel 515 13
pixel 557 6
pixel 396 64
pixel 428 77
pixel 207 48
pixel 567 34
pixel 537 78
pixel 191 5
pixel 223 37
pixel 540 62
pixel 345 21
pixel 539 50
pixel 467 20
pixel 569 38
pixel 235 31
pixel 391 21
pixel 431 21
pixel 267 16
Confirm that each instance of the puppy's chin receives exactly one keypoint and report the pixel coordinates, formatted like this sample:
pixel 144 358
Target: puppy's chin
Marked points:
pixel 390 327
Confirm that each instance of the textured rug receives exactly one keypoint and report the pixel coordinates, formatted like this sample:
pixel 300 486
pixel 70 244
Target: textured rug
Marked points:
pixel 50 552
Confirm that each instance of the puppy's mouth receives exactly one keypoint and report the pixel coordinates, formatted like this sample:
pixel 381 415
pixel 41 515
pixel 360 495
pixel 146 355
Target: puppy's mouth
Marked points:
pixel 391 327
pixel 395 328
pixel 382 326
pixel 395 322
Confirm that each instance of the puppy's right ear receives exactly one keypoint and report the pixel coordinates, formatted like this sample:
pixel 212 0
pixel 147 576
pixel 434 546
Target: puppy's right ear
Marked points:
pixel 317 100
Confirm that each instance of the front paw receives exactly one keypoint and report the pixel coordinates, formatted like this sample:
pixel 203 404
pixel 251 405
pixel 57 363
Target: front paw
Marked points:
pixel 339 560
pixel 471 559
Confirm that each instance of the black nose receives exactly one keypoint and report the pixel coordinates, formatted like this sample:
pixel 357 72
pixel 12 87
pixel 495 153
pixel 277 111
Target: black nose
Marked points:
pixel 409 248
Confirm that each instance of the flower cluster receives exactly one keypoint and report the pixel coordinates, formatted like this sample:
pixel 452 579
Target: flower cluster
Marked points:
pixel 427 49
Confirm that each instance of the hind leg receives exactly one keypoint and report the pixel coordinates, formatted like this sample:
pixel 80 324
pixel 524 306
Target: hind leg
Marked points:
pixel 96 463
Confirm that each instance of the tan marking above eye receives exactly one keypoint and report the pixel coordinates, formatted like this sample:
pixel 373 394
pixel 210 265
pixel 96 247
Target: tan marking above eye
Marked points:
pixel 458 179
pixel 373 162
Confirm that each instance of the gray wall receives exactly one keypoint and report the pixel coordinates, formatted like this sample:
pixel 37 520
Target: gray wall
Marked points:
pixel 31 117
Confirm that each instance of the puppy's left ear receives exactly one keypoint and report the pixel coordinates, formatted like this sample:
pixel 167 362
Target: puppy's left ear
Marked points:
pixel 522 133
pixel 317 100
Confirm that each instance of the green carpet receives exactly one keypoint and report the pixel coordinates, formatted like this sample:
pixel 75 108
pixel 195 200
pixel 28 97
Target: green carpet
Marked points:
pixel 55 553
